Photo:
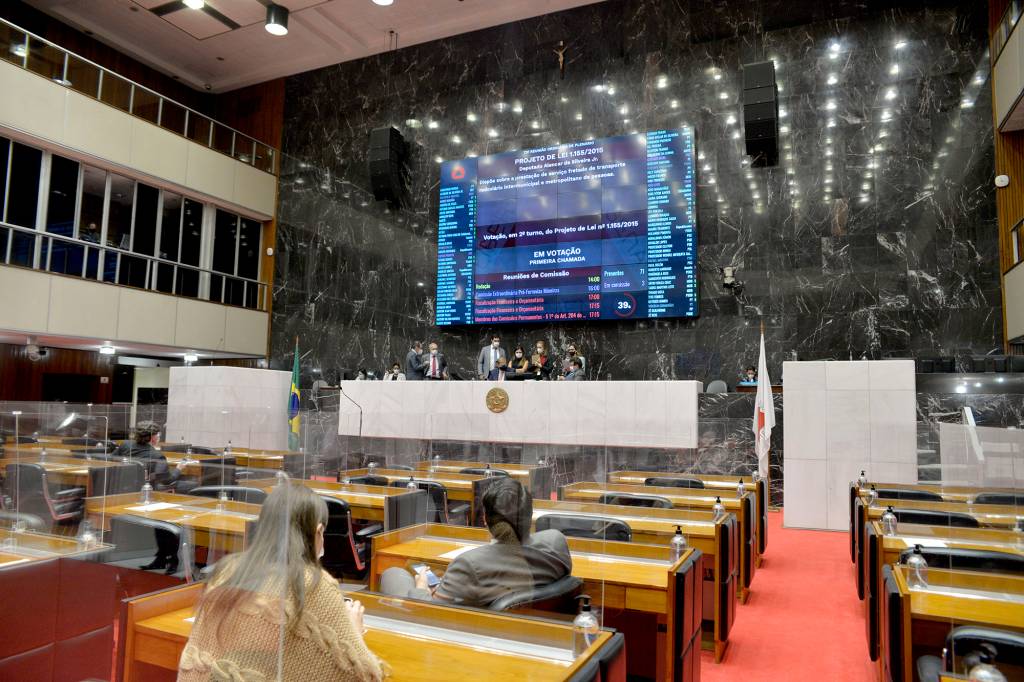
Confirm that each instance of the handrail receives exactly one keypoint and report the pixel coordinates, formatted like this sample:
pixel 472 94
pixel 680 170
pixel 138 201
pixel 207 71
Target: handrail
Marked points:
pixel 7 244
pixel 1004 28
pixel 273 152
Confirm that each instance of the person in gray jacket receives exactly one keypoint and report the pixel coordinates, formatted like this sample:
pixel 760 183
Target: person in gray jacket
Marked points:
pixel 488 358
pixel 516 561
pixel 412 362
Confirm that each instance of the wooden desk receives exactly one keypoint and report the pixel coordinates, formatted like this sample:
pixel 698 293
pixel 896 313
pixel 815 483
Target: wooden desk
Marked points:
pixel 26 546
pixel 712 482
pixel 689 498
pixel 536 477
pixel 460 487
pixel 215 525
pixel 717 539
pixel 393 507
pixel 916 620
pixel 619 576
pixel 458 644
pixel 882 550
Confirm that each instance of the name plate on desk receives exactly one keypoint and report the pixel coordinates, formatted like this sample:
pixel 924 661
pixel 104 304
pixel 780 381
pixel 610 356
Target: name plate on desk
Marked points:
pixel 660 414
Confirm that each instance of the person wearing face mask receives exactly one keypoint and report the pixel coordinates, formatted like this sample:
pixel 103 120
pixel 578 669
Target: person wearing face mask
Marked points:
pixel 540 361
pixel 433 364
pixel 488 358
pixel 498 373
pixel 570 356
pixel 520 364
pixel 749 377
pixel 395 374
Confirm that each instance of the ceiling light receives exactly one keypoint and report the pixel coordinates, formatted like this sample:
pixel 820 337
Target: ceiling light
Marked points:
pixel 834 47
pixel 564 99
pixel 383 3
pixel 783 113
pixel 438 159
pixel 471 117
pixel 456 139
pixel 579 115
pixel 890 93
pixel 723 95
pixel 831 123
pixel 18 49
pixel 534 125
pixel 706 167
pixel 662 82
pixel 900 44
pixel 832 79
pixel 784 129
pixel 413 122
pixel 718 76
pixel 674 104
pixel 884 133
pixel 886 115
pixel 517 108
pixel 611 89
pixel 894 69
pixel 979 79
pixel 731 120
pixel 194 4
pixel 191 357
pixel 277 20
pixel 966 104
pixel 624 110
pixel 597 88
pixel 735 134
pixel 107 350
pixel 432 125
pixel 830 105
pixel 492 133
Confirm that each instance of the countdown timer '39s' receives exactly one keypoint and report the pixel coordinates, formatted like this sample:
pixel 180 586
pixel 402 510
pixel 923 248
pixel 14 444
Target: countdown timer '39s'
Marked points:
pixel 601 229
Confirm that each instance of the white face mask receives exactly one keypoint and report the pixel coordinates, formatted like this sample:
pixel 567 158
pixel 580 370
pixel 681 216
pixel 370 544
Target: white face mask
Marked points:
pixel 540 351
pixel 433 352
pixel 495 344
pixel 519 355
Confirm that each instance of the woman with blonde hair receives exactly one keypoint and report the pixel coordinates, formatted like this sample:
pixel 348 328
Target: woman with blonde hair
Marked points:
pixel 271 612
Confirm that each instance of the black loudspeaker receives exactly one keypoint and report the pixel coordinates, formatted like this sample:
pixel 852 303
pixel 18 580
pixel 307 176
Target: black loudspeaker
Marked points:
pixel 761 113
pixel 387 163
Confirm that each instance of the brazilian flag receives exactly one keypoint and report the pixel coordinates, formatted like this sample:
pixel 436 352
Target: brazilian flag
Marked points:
pixel 293 403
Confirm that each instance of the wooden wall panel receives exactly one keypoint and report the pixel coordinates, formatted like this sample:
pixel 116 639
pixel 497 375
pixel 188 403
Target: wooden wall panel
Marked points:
pixel 257 110
pixel 22 379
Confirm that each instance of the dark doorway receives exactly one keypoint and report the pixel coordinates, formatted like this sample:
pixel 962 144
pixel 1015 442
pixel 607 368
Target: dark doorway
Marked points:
pixel 72 388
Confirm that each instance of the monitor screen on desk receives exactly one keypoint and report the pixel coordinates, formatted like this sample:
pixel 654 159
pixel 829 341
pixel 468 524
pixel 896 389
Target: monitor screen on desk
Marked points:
pixel 593 230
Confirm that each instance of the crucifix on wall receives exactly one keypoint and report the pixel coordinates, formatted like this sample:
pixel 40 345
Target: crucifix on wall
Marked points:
pixel 560 51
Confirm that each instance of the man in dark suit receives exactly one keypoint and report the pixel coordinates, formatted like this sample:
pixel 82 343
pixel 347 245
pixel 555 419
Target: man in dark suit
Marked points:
pixel 412 362
pixel 433 365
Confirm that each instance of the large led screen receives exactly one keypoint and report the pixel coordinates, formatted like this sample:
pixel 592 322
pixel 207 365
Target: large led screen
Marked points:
pixel 595 230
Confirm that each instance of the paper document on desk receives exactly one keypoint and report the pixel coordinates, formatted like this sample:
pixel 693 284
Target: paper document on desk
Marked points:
pixel 154 506
pixel 924 542
pixel 455 553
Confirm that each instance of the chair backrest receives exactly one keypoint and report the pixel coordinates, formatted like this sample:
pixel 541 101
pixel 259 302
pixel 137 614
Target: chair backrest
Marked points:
pixel 477 471
pixel 592 526
pixel 557 597
pixel 1010 499
pixel 437 498
pixel 636 500
pixel 966 640
pixel 238 493
pixel 340 553
pixel 114 480
pixel 673 482
pixel 135 537
pixel 891 628
pixel 29 521
pixel 925 517
pixel 369 480
pixel 717 386
pixel 970 559
pixel 905 494
pixel 220 471
pixel 25 484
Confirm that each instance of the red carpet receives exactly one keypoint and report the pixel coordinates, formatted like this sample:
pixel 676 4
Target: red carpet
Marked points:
pixel 803 620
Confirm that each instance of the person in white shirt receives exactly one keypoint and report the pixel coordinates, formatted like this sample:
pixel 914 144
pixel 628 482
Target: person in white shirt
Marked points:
pixel 434 365
pixel 488 358
pixel 395 374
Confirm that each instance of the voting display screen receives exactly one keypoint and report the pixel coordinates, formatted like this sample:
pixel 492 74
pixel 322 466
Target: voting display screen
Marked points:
pixel 594 230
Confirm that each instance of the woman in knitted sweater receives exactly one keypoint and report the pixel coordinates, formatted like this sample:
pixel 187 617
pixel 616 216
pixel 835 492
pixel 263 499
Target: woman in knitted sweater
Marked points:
pixel 272 613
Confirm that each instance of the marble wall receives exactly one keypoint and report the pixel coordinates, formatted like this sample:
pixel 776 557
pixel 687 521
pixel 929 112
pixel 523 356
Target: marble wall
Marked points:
pixel 874 237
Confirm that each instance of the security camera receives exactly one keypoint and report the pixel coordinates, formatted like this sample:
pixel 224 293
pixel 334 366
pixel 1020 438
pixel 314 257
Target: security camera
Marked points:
pixel 1002 181
pixel 207 86
pixel 729 281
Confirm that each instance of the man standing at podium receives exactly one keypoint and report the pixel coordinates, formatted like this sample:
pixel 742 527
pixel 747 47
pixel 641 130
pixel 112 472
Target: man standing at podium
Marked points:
pixel 488 358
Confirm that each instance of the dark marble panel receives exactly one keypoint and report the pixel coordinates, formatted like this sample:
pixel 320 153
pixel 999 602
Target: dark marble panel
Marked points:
pixel 874 237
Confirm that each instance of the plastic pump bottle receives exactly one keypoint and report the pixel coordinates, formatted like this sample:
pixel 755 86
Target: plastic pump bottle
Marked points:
pixel 889 522
pixel 147 493
pixel 678 544
pixel 585 627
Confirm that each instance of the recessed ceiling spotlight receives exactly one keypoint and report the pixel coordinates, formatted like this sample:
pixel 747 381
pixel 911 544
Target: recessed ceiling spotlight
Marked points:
pixel 890 93
pixel 456 139
pixel 731 120
pixel 718 76
pixel 723 95
pixel 517 108
pixel 834 47
pixel 277 20
pixel 383 3
pixel 194 4
pixel 900 44
pixel 471 117
pixel 966 104
pixel 674 104
pixel 107 350
pixel 492 133
pixel 894 69
pixel 831 105
pixel 438 159
pixel 832 79
pixel 432 125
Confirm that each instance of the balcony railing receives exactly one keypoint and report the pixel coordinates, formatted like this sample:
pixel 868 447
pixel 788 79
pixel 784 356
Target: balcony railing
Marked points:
pixel 54 253
pixel 40 56
pixel 1005 27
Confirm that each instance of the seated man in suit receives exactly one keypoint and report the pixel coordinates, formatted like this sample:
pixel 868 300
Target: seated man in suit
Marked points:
pixel 158 473
pixel 515 562
pixel 498 373
pixel 576 371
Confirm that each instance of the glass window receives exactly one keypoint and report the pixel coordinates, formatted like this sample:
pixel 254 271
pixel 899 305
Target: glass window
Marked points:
pixel 119 217
pixel 46 60
pixel 146 104
pixel 147 201
pixel 172 117
pixel 12 45
pixel 191 238
pixel 82 76
pixel 170 233
pixel 23 185
pixel 90 215
pixel 224 242
pixel 222 138
pixel 60 209
pixel 249 249
pixel 5 152
pixel 116 91
pixel 198 129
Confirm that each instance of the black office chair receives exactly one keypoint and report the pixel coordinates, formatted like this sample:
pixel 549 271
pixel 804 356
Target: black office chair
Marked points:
pixel 220 471
pixel 902 494
pixel 936 518
pixel 969 560
pixel 672 482
pixel 1009 499
pixel 138 541
pixel 636 500
pixel 238 493
pixel 367 480
pixel 114 480
pixel 439 509
pixel 477 471
pixel 29 491
pixel 556 597
pixel 963 646
pixel 346 550
pixel 591 526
